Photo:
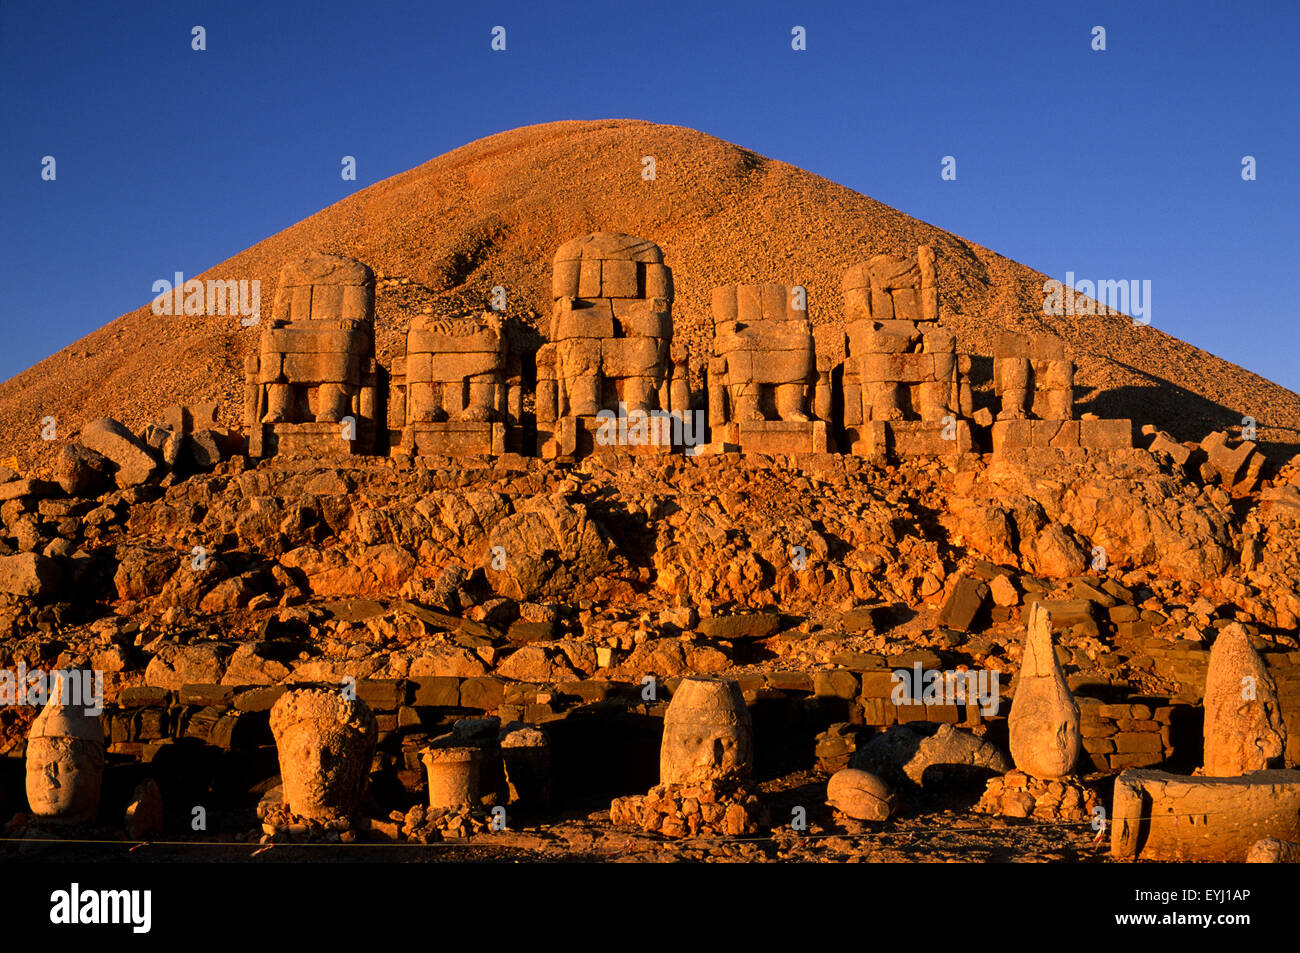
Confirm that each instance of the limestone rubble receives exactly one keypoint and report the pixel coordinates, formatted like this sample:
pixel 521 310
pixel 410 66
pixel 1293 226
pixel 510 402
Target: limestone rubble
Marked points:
pixel 479 558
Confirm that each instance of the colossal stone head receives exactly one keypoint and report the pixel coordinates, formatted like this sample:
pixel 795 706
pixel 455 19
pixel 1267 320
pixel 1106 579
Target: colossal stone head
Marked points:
pixel 707 733
pixel 325 743
pixel 65 761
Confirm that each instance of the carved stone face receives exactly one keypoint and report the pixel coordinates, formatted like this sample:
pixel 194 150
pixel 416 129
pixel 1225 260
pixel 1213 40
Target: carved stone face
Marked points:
pixel 707 733
pixel 63 777
pixel 325 744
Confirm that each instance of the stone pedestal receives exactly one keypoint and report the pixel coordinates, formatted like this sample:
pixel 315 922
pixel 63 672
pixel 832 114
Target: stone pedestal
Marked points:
pixel 453 776
pixel 910 438
pixel 453 439
pixel 1091 434
pixel 324 440
pixel 773 437
pixel 1160 816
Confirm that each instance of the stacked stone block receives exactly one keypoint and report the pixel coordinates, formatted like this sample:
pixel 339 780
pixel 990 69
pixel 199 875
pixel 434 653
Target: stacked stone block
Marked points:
pixel 765 392
pixel 457 389
pixel 1035 383
pixel 610 344
pixel 905 387
pixel 313 385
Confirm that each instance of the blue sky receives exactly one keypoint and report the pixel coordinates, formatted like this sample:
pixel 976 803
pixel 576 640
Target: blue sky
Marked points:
pixel 1117 164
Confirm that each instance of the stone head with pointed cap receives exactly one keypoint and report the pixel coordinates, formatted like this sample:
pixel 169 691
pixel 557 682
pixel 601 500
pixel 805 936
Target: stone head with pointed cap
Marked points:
pixel 65 759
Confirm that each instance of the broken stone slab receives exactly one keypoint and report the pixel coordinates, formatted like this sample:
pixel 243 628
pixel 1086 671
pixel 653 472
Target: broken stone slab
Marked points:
pixel 135 464
pixel 1237 468
pixel 1163 443
pixel 741 625
pixel 859 619
pixel 79 471
pixel 1063 613
pixel 1244 730
pixel 1162 816
pixel 206 448
pixel 963 603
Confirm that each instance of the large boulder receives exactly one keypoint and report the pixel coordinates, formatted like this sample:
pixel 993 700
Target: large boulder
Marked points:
pixel 29 574
pixel 79 471
pixel 135 464
pixel 548 549
pixel 177 665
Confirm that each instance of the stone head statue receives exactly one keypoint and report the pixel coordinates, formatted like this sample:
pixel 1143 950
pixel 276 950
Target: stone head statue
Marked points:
pixel 325 743
pixel 707 733
pixel 65 761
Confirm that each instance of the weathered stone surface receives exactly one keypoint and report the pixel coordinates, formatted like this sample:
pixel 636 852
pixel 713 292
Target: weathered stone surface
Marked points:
pixel 325 743
pixel 546 547
pixel 30 575
pixel 1160 816
pixel 763 365
pixel 65 757
pixel 963 603
pixel 1044 719
pixel 453 776
pixel 860 795
pixel 707 733
pixel 135 464
pixel 741 625
pixel 177 665
pixel 1270 850
pixel 79 471
pixel 1244 730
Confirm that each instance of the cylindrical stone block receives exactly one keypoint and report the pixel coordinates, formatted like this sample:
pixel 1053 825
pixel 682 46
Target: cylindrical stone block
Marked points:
pixel 453 776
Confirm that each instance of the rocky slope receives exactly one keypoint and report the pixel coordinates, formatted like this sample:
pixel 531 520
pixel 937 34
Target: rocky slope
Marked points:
pixel 494 211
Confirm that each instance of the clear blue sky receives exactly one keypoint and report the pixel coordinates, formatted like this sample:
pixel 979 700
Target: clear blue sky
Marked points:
pixel 1117 164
